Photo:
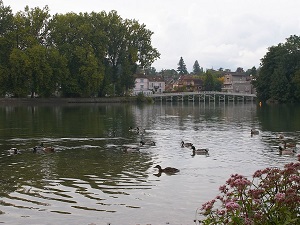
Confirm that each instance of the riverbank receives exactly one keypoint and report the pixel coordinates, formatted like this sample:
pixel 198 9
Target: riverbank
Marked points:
pixel 34 101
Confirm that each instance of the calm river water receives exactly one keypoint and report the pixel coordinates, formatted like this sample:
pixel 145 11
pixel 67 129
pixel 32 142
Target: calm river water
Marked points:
pixel 90 180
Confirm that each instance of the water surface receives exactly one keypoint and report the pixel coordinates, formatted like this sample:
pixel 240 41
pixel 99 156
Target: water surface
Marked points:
pixel 90 180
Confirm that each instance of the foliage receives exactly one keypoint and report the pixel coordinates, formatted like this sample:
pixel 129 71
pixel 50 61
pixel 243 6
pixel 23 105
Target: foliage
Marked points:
pixel 209 84
pixel 182 70
pixel 279 67
pixel 197 70
pixel 79 55
pixel 141 98
pixel 271 198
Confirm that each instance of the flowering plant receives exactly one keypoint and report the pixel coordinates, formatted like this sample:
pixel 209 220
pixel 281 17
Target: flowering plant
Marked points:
pixel 271 198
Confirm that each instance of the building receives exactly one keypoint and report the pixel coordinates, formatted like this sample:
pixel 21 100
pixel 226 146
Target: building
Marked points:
pixel 148 85
pixel 237 83
pixel 188 83
pixel 157 84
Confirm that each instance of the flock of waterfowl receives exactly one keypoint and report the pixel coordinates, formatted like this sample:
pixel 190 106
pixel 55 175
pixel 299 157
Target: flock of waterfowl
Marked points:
pixel 286 147
pixel 36 149
pixel 167 170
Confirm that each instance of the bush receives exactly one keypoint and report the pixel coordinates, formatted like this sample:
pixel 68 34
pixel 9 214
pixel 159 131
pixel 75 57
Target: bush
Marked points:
pixel 141 98
pixel 271 198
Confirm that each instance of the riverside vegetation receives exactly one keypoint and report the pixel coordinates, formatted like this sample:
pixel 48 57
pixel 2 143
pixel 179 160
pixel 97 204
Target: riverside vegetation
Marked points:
pixel 271 198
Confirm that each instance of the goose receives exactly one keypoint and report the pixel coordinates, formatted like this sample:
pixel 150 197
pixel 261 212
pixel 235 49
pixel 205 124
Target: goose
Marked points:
pixel 201 151
pixel 187 145
pixel 150 143
pixel 289 145
pixel 131 129
pixel 137 129
pixel 14 151
pixel 286 151
pixel 254 132
pixel 131 149
pixel 41 149
pixel 168 170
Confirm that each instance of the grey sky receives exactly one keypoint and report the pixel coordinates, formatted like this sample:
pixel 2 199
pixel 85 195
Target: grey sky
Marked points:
pixel 217 33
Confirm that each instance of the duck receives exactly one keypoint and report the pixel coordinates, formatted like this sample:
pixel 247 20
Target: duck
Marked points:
pixel 131 149
pixel 281 136
pixel 254 132
pixel 201 151
pixel 41 149
pixel 289 145
pixel 286 151
pixel 150 143
pixel 187 145
pixel 137 129
pixel 168 170
pixel 14 151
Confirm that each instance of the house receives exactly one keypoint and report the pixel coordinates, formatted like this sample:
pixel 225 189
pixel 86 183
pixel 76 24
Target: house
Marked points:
pixel 188 83
pixel 157 84
pixel 235 82
pixel 148 85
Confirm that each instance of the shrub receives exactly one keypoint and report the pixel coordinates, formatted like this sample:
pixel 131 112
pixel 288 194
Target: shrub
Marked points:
pixel 271 198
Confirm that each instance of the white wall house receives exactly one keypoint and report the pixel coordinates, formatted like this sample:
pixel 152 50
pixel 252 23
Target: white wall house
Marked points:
pixel 148 85
pixel 157 84
pixel 141 86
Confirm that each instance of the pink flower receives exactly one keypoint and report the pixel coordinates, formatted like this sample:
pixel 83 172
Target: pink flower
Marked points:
pixel 208 205
pixel 279 197
pixel 232 206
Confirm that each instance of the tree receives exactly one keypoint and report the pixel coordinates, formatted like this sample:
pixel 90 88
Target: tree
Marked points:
pixel 196 68
pixel 296 83
pixel 209 83
pixel 6 45
pixel 278 69
pixel 181 67
pixel 240 70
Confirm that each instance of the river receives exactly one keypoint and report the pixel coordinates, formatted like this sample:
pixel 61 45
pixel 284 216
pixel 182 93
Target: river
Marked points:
pixel 91 180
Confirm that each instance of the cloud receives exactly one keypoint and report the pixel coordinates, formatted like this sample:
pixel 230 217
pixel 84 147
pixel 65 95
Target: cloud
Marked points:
pixel 217 33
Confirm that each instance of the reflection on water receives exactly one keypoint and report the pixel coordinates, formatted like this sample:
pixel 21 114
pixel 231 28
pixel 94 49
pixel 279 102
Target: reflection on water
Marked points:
pixel 89 179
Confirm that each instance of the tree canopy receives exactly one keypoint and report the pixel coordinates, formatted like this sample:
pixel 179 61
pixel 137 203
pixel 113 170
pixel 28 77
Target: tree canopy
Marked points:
pixel 78 55
pixel 279 75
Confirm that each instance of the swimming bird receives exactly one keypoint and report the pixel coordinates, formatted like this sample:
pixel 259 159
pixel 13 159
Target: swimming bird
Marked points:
pixel 201 151
pixel 254 132
pixel 168 170
pixel 41 149
pixel 187 145
pixel 14 151
pixel 131 129
pixel 280 136
pixel 288 145
pixel 131 149
pixel 150 143
pixel 286 151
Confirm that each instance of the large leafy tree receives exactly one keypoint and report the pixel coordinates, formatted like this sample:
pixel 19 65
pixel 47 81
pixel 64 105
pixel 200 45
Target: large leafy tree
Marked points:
pixel 74 36
pixel 6 45
pixel 279 70
pixel 78 54
pixel 182 67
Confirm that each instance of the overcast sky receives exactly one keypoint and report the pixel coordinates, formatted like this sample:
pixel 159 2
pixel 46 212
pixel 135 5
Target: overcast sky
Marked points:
pixel 217 33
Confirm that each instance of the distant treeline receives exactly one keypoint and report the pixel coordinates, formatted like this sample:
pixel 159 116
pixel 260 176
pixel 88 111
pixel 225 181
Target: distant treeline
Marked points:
pixel 71 55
